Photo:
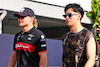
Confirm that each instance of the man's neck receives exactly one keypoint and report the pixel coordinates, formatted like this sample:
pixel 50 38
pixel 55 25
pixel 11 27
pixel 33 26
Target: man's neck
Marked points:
pixel 76 29
pixel 26 29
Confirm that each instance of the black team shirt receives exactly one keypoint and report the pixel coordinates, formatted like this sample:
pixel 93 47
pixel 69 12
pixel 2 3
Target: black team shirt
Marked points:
pixel 27 46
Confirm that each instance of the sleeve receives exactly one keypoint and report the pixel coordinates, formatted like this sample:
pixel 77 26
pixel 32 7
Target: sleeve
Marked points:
pixel 90 35
pixel 41 43
pixel 14 43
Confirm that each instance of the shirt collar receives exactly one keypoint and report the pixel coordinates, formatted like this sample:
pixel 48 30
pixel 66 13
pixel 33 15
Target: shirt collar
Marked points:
pixel 29 30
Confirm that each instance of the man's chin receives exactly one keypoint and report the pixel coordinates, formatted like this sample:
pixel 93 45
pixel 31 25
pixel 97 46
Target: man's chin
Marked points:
pixel 69 25
pixel 21 26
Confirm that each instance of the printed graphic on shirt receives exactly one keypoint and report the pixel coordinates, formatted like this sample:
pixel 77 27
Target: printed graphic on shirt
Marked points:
pixel 30 36
pixel 18 37
pixel 24 46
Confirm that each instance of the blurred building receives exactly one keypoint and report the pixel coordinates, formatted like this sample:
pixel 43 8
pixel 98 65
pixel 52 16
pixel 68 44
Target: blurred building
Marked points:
pixel 50 21
pixel 49 17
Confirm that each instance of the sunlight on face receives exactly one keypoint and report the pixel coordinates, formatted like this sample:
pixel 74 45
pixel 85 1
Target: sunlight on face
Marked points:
pixel 24 21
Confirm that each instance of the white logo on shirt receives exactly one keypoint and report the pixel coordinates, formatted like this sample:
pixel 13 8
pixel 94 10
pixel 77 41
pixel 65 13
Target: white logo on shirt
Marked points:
pixel 30 37
pixel 18 37
pixel 42 38
pixel 43 45
pixel 20 45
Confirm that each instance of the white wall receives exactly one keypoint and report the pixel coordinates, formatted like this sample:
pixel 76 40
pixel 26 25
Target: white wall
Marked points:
pixel 86 4
pixel 39 8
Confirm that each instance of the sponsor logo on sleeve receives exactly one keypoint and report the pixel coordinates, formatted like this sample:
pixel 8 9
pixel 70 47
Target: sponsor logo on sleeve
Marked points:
pixel 42 38
pixel 43 45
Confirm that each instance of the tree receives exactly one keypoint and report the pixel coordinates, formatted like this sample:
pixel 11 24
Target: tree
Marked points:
pixel 94 14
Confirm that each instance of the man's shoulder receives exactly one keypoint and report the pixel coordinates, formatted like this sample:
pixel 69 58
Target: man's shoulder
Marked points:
pixel 18 33
pixel 65 35
pixel 87 30
pixel 38 32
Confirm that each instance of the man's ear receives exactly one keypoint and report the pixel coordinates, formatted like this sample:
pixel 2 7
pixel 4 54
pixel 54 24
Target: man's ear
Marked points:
pixel 79 16
pixel 32 18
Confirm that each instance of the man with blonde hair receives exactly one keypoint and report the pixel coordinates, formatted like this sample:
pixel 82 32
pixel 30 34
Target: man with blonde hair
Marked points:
pixel 29 49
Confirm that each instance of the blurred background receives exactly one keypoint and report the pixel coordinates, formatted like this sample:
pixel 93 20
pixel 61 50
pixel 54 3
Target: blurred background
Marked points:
pixel 49 14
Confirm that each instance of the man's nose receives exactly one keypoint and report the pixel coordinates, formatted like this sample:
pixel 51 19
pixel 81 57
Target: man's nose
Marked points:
pixel 67 17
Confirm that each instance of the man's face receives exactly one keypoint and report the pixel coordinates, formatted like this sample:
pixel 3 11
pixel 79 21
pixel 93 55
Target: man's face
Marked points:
pixel 71 17
pixel 24 21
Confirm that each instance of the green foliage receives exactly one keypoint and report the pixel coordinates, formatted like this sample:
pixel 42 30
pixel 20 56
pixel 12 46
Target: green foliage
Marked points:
pixel 95 15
